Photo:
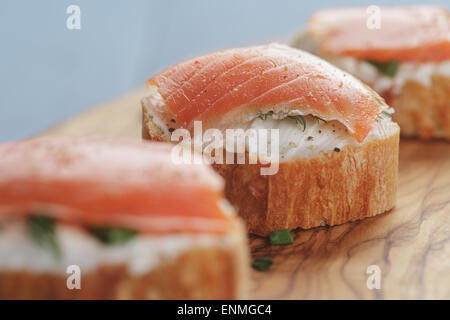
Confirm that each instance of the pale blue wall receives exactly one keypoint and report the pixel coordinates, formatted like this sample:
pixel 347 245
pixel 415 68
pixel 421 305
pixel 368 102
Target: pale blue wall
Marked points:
pixel 49 73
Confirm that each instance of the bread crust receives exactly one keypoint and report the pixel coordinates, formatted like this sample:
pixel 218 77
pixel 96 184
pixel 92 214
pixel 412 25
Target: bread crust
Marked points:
pixel 423 111
pixel 200 273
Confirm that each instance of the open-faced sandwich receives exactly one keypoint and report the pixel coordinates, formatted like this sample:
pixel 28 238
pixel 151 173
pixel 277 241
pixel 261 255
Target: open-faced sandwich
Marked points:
pixel 337 146
pixel 402 52
pixel 120 216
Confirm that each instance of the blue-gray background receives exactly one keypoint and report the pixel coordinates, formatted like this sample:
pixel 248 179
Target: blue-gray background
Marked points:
pixel 49 73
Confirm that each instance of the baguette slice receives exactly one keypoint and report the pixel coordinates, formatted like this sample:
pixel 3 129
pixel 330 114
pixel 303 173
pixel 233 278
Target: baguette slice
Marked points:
pixel 136 225
pixel 326 175
pixel 416 37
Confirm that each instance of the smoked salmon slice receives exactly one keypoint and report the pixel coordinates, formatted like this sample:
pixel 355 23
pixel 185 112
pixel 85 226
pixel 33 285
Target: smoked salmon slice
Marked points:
pixel 232 86
pixel 417 33
pixel 98 182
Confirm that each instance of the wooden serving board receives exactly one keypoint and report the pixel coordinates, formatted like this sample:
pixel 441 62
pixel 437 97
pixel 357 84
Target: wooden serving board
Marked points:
pixel 410 244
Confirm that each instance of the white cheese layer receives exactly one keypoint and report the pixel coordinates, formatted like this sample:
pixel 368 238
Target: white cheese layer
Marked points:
pixel 296 141
pixel 407 71
pixel 19 252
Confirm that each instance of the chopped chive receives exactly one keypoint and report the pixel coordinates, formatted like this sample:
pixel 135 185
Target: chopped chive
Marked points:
pixel 281 237
pixel 387 113
pixel 42 230
pixel 387 68
pixel 318 118
pixel 262 264
pixel 113 235
pixel 391 68
pixel 263 116
pixel 299 120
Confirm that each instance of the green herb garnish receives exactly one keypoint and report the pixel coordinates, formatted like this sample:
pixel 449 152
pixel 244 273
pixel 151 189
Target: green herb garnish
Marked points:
pixel 388 113
pixel 113 235
pixel 263 116
pixel 42 230
pixel 262 264
pixel 281 237
pixel 299 119
pixel 387 68
pixel 318 118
